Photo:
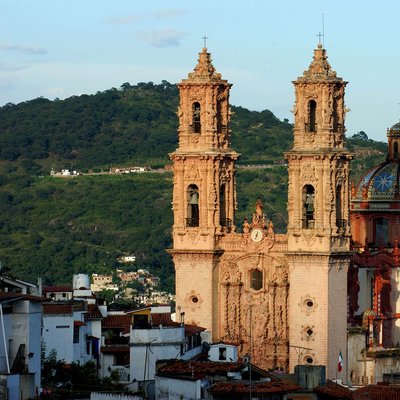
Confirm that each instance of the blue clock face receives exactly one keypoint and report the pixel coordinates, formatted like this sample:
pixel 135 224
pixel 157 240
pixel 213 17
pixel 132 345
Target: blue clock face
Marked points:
pixel 384 181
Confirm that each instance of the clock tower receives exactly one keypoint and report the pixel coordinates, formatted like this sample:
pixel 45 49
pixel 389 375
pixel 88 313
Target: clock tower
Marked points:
pixel 318 228
pixel 204 190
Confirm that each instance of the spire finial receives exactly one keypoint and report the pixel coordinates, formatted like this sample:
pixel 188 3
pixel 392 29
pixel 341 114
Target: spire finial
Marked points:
pixel 321 43
pixel 205 37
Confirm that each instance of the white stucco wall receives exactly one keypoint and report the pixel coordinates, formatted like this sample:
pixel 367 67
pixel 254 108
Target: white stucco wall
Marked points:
pixel 149 345
pixel 176 389
pixel 58 333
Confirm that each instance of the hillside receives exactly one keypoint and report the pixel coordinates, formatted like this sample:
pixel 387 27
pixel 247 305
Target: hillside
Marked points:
pixel 54 227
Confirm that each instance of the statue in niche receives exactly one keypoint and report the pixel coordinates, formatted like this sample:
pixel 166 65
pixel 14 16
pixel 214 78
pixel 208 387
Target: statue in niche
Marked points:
pixel 246 227
pixel 259 220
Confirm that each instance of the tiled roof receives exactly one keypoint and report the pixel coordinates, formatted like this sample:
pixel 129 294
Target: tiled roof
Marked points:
pixel 191 330
pixel 256 388
pixel 197 369
pixel 93 312
pixel 164 319
pixel 122 348
pixel 377 392
pixel 57 308
pixel 334 391
pixel 117 321
pixel 53 289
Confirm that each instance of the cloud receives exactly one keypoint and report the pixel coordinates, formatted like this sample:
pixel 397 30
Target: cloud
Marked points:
pixel 128 19
pixel 11 68
pixel 23 49
pixel 55 91
pixel 161 38
pixel 170 14
pixel 8 83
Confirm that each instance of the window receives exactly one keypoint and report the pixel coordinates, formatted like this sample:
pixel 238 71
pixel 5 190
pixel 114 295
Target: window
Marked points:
pixel 340 222
pixel 312 108
pixel 192 219
pixel 256 279
pixel 308 207
pixel 396 150
pixel 76 334
pixel 222 354
pixel 224 221
pixel 196 117
pixel 381 231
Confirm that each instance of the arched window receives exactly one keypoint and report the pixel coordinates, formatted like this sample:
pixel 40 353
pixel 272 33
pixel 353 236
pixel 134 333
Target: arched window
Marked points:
pixel 196 117
pixel 335 116
pixel 312 109
pixel 396 150
pixel 339 217
pixel 256 279
pixel 308 219
pixel 192 219
pixel 381 231
pixel 222 206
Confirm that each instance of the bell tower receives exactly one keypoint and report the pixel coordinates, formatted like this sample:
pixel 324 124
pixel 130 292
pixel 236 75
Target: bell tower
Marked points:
pixel 318 210
pixel 204 190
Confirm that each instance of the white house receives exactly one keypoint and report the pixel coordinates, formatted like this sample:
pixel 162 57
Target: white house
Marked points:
pixel 160 338
pixel 65 330
pixel 20 347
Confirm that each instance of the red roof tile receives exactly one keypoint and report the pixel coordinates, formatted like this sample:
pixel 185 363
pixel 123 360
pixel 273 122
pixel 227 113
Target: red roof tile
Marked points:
pixel 377 392
pixel 333 390
pixel 57 308
pixel 122 348
pixel 256 388
pixel 51 289
pixel 93 312
pixel 164 319
pixel 117 321
pixel 197 369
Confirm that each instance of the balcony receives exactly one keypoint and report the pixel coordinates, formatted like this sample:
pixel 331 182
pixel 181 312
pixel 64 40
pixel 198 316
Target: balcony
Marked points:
pixel 307 223
pixel 192 222
pixel 226 222
pixel 341 224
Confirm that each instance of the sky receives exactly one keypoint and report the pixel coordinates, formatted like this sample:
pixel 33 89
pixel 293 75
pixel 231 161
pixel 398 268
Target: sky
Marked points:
pixel 57 49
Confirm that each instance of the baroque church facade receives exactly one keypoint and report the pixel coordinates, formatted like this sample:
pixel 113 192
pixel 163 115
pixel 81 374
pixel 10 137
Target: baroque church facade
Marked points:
pixel 282 298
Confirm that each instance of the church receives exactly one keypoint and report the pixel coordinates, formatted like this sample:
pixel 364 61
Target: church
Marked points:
pixel 282 298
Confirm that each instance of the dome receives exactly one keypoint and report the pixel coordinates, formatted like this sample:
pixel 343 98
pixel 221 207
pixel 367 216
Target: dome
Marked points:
pixel 395 127
pixel 380 183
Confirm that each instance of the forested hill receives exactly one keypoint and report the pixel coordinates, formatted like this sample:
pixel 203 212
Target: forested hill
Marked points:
pixel 132 124
pixel 53 227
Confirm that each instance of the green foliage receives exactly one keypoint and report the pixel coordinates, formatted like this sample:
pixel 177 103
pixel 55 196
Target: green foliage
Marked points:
pixel 71 380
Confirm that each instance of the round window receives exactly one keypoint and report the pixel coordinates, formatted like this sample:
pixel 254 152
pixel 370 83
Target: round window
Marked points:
pixel 309 360
pixel 309 303
pixel 195 299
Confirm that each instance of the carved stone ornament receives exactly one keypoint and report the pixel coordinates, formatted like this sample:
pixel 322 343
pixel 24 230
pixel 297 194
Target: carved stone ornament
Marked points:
pixel 309 238
pixel 308 173
pixel 192 173
pixel 194 237
pixel 308 304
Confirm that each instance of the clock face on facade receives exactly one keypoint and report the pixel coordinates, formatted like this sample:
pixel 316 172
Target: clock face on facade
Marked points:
pixel 383 181
pixel 256 235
